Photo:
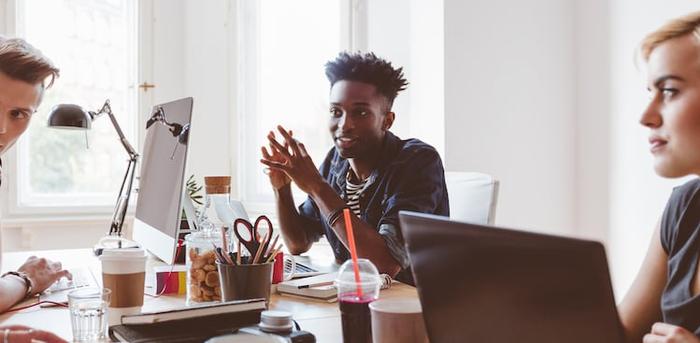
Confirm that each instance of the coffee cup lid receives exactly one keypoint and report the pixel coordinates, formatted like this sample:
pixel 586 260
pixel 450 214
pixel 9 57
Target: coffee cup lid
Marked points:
pixel 123 254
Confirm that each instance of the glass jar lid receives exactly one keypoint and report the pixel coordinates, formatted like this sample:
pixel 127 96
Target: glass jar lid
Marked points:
pixel 203 236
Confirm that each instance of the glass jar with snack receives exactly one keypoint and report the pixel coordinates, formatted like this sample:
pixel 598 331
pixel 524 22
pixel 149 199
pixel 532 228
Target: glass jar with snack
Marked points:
pixel 202 276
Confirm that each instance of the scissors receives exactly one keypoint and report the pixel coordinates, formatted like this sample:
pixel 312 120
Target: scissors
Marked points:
pixel 255 242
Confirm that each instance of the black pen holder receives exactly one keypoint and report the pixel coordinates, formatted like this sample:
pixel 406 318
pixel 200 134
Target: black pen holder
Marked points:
pixel 245 281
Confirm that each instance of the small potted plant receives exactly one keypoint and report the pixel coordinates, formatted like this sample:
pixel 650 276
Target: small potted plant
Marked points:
pixel 193 192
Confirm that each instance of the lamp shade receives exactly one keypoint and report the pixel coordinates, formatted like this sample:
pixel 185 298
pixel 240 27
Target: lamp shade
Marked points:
pixel 69 116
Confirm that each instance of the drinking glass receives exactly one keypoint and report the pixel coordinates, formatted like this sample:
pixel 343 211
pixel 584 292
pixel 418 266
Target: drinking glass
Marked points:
pixel 88 313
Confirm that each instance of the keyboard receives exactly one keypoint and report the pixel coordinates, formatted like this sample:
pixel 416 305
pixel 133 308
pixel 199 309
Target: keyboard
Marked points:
pixel 58 291
pixel 302 270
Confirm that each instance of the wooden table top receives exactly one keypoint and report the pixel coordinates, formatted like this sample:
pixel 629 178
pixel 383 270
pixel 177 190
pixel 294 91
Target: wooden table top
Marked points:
pixel 320 318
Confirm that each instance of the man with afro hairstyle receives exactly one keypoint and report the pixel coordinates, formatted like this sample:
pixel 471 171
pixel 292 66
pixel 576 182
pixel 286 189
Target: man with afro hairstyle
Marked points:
pixel 369 170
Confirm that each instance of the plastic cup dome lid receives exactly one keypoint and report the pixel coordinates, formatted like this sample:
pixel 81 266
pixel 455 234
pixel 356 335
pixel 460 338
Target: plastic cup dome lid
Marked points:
pixel 368 272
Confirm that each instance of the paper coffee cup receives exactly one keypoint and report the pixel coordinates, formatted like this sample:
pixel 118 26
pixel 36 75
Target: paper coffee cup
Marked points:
pixel 124 273
pixel 398 320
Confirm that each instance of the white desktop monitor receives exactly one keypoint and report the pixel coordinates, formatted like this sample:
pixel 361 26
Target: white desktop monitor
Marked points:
pixel 161 185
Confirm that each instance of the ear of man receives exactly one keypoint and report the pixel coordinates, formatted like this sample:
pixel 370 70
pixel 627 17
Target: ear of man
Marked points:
pixel 388 120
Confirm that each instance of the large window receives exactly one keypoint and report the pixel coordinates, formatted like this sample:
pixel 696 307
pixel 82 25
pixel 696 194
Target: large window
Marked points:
pixel 94 43
pixel 284 47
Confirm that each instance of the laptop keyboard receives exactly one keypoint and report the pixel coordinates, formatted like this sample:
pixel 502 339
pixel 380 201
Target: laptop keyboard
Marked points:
pixel 301 268
pixel 81 278
pixel 58 292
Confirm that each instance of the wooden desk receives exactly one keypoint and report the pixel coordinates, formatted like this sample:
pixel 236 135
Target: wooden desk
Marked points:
pixel 320 318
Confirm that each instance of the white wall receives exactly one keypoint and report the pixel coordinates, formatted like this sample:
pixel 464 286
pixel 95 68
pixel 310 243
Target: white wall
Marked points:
pixel 545 96
pixel 509 105
pixel 593 132
pixel 410 34
pixel 193 58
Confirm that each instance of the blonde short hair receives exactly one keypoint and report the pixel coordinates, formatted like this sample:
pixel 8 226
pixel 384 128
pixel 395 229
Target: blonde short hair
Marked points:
pixel 681 26
pixel 21 61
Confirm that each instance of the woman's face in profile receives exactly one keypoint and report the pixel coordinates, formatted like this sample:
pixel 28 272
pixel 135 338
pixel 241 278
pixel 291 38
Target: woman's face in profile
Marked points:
pixel 673 113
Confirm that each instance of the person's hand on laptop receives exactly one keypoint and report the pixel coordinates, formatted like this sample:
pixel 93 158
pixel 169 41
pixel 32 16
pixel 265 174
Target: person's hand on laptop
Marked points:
pixel 42 272
pixel 667 333
pixel 295 162
pixel 25 334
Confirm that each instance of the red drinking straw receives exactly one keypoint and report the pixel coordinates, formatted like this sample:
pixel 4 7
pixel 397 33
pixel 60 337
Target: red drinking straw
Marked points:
pixel 353 251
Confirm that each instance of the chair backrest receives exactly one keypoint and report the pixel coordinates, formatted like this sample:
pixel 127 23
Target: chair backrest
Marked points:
pixel 473 197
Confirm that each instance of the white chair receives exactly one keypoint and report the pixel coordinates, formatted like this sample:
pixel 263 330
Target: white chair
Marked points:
pixel 472 196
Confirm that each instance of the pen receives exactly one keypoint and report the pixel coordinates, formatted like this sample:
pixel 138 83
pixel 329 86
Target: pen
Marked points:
pixel 217 252
pixel 224 241
pixel 271 247
pixel 261 247
pixel 325 283
pixel 273 253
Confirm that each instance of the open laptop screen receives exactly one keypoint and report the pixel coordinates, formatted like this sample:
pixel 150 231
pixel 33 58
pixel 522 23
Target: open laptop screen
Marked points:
pixel 486 284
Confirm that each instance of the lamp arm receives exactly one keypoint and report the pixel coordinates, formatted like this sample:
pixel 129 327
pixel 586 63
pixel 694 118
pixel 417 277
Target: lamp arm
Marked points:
pixel 128 181
pixel 123 198
pixel 129 149
pixel 106 108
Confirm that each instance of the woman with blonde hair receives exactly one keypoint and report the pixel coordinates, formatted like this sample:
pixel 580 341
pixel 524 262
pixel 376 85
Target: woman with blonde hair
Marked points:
pixel 663 304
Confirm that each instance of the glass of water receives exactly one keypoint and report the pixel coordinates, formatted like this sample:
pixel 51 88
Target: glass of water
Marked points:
pixel 88 313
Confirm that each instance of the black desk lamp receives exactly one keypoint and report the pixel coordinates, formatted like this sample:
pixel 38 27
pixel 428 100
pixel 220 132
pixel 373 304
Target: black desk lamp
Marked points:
pixel 69 116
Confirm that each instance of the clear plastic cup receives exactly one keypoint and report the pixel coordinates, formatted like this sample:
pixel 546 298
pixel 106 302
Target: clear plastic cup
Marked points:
pixel 354 299
pixel 88 313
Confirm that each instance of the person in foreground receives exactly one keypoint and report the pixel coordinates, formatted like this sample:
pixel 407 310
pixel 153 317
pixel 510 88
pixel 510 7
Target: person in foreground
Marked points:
pixel 369 170
pixel 663 304
pixel 23 72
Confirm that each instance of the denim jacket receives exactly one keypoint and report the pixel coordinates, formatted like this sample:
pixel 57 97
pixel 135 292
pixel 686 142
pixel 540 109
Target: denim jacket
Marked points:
pixel 409 176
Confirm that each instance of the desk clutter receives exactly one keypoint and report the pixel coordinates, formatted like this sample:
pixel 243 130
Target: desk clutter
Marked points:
pixel 215 273
pixel 220 322
pixel 226 290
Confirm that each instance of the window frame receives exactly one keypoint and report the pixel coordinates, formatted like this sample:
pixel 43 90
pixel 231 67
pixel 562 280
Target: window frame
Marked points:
pixel 16 209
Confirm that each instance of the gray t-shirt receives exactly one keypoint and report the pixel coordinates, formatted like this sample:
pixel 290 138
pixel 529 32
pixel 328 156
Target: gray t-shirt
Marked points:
pixel 680 238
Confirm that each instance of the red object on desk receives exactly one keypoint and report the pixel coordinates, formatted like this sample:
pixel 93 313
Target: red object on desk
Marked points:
pixel 278 268
pixel 170 279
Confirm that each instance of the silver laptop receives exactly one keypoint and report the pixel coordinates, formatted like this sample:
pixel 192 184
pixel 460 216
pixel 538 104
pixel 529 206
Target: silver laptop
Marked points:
pixel 486 284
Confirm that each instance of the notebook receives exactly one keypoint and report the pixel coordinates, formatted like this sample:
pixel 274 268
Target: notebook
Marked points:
pixel 197 329
pixel 190 324
pixel 194 312
pixel 319 287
